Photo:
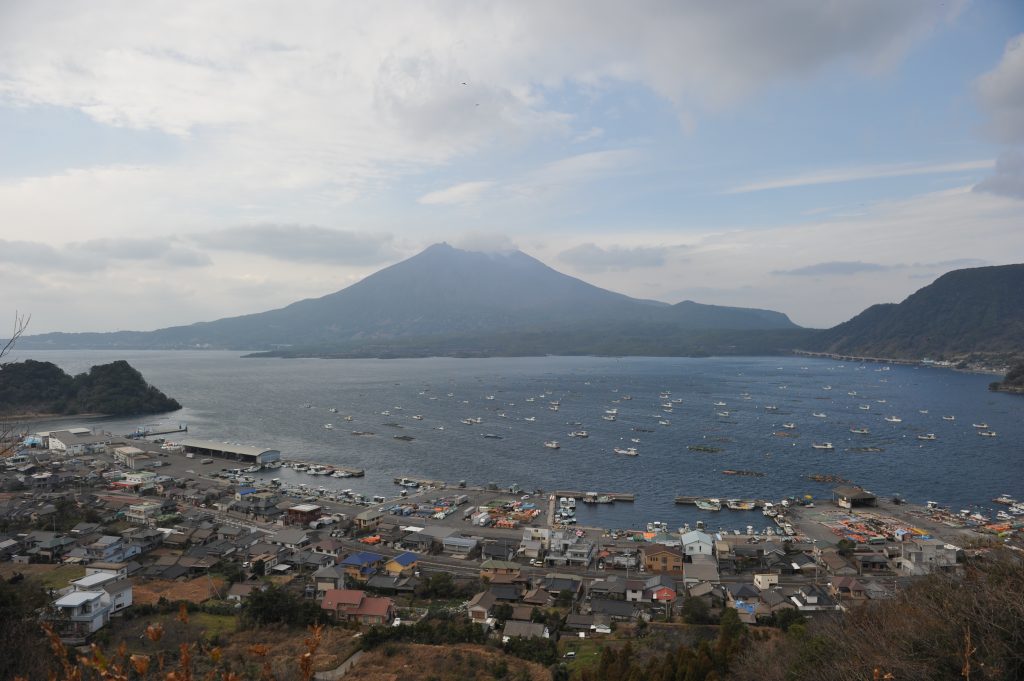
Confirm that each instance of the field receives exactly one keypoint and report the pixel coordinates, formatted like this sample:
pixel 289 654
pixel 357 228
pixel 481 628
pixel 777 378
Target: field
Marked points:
pixel 196 590
pixel 52 576
pixel 414 662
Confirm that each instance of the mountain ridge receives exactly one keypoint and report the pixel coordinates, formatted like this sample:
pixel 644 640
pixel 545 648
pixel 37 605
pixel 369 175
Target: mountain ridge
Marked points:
pixel 440 291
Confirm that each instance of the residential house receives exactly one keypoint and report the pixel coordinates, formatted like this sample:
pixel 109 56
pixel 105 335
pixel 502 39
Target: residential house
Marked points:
pixel 696 542
pixel 812 597
pixel 520 629
pixel 368 519
pixel 836 564
pixel 402 564
pixel 498 549
pixel 356 606
pixel 292 538
pixel 661 558
pixel 480 607
pixel 489 569
pixel 459 546
pixel 240 591
pixel 614 610
pixel 848 589
pixel 79 614
pixel 923 556
pixel 118 589
pixel 362 565
pixel 660 589
pixel 613 588
pixel 329 577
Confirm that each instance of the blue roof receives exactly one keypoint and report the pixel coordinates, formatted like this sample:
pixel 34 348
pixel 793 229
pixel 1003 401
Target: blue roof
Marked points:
pixel 362 558
pixel 406 559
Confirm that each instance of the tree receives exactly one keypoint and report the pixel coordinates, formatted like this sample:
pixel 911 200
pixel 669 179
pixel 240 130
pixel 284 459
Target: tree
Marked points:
pixel 695 611
pixel 23 647
pixel 7 427
pixel 845 547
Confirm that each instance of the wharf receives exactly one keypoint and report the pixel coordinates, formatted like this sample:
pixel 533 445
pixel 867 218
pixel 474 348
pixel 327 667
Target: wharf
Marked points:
pixel 147 432
pixel 614 496
pixel 420 482
pixel 854 358
pixel 352 472
pixel 684 500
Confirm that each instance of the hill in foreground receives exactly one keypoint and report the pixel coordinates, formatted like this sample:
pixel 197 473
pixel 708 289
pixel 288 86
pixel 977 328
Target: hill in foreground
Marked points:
pixel 115 389
pixel 971 311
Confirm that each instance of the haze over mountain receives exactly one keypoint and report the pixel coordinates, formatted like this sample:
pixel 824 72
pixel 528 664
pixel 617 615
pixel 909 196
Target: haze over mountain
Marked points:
pixel 977 310
pixel 441 292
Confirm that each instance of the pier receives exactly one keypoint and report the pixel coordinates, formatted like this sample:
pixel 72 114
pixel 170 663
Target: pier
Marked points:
pixel 614 496
pixel 141 433
pixel 692 501
pixel 854 358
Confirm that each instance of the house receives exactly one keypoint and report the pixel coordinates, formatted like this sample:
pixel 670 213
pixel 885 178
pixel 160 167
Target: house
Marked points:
pixel 766 580
pixel 117 570
pixel 240 591
pixel 850 497
pixel 836 564
pixel 871 563
pixel 923 556
pixel 613 588
pixel 491 568
pixel 356 606
pixel 402 564
pixel 459 546
pixel 518 629
pixel 329 577
pixel 635 590
pixel 106 549
pixel 557 583
pixel 812 597
pixel 696 542
pixel 848 588
pixel 119 590
pixel 368 519
pixel 329 546
pixel 302 514
pixel 392 583
pixel 538 597
pixel 294 538
pixel 581 554
pixel 531 548
pixel 510 593
pixel 480 607
pixel 660 589
pixel 142 514
pixel 661 558
pixel 614 610
pixel 499 549
pixel 79 614
pixel 362 565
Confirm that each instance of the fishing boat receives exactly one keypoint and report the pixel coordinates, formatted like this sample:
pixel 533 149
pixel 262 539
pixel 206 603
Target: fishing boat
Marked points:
pixel 418 417
pixel 530 418
pixel 819 415
pixel 740 504
pixel 860 431
pixel 723 413
pixel 893 419
pixel 665 422
pixel 626 451
pixel 789 426
pixel 987 433
pixel 552 444
pixel 865 407
pixel 949 418
pixel 922 411
pixel 635 440
pixel 822 445
pixel 579 433
pixel 771 407
pixel 328 426
pixel 709 504
pixel 333 410
pixel 982 425
pixel 613 411
pixel 927 436
pixel 719 404
pixel 608 417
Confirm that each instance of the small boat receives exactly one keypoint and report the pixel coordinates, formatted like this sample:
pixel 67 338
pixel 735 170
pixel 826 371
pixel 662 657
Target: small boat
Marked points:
pixel 489 397
pixel 739 504
pixel 723 413
pixel 609 417
pixel 949 418
pixel 927 436
pixel 468 422
pixel 822 445
pixel 771 407
pixel 709 504
pixel 665 422
pixel 666 405
pixel 616 411
pixel 328 426
pixel 530 418
pixel 348 418
pixel 865 407
pixel 893 419
pixel 553 407
pixel 418 417
pixel 635 440
pixel 860 431
pixel 333 410
pixel 987 433
pixel 826 387
pixel 819 415
pixel 719 404
pixel 552 444
pixel 982 425
pixel 628 451
pixel 492 436
pixel 922 411
pixel 529 399
pixel 579 433
pixel 789 426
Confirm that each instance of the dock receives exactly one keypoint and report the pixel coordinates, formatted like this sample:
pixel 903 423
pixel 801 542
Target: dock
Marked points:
pixel 686 500
pixel 147 432
pixel 614 496
pixel 420 482
pixel 352 472
pixel 855 358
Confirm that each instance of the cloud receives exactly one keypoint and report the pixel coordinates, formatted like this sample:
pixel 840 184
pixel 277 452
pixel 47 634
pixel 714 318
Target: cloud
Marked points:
pixel 856 174
pixel 467 192
pixel 590 257
pixel 835 268
pixel 1001 91
pixel 98 254
pixel 1008 179
pixel 302 243
pixel 587 135
pixel 485 242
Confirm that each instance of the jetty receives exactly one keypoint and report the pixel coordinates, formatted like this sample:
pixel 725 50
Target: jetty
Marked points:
pixel 692 501
pixel 855 358
pixel 141 433
pixel 614 496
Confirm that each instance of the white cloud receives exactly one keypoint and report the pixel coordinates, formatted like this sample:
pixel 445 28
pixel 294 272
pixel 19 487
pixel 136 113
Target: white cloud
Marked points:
pixel 590 257
pixel 1002 94
pixel 837 175
pixel 466 192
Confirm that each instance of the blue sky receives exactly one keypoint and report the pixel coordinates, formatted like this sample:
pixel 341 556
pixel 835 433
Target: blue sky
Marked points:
pixel 162 165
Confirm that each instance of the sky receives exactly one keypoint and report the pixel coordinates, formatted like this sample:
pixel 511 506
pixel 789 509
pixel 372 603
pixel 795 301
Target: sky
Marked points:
pixel 163 163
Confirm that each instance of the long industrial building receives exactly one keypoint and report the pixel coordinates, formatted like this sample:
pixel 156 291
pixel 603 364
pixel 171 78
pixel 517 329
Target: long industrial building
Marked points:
pixel 227 450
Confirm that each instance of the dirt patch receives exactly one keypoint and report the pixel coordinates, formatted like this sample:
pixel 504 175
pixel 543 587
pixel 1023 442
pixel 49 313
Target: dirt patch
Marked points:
pixel 196 590
pixel 415 662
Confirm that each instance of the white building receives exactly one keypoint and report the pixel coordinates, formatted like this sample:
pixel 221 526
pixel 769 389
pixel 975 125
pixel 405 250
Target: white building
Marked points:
pixel 81 614
pixel 697 543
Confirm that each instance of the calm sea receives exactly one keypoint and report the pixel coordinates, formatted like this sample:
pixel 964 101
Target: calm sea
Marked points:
pixel 261 401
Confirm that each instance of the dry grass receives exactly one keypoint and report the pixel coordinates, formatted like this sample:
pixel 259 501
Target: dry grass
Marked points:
pixel 195 591
pixel 286 646
pixel 464 662
pixel 51 575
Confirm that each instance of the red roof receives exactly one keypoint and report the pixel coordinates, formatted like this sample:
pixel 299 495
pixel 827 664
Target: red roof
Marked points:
pixel 373 607
pixel 335 599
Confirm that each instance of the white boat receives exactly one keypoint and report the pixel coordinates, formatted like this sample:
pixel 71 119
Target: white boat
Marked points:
pixel 635 440
pixel 865 407
pixel 628 451
pixel 530 418
pixel 553 407
pixel 723 413
pixel 348 418
pixel 666 405
pixel 529 399
pixel 609 417
pixel 893 419
pixel 552 444
pixel 982 425
pixel 789 426
pixel 418 417
pixel 489 397
pixel 709 504
pixel 613 411
pixel 333 410
pixel 949 418
pixel 579 433
pixel 922 411
pixel 826 387
pixel 927 436
pixel 719 404
pixel 665 422
pixel 771 407
pixel 819 415
pixel 987 433
pixel 329 426
pixel 822 445
pixel 468 422
pixel 860 431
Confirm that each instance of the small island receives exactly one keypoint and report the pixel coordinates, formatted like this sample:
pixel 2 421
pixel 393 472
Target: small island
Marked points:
pixel 1013 382
pixel 32 388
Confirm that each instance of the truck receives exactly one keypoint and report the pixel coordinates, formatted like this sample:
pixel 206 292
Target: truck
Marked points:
pixel 190 455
